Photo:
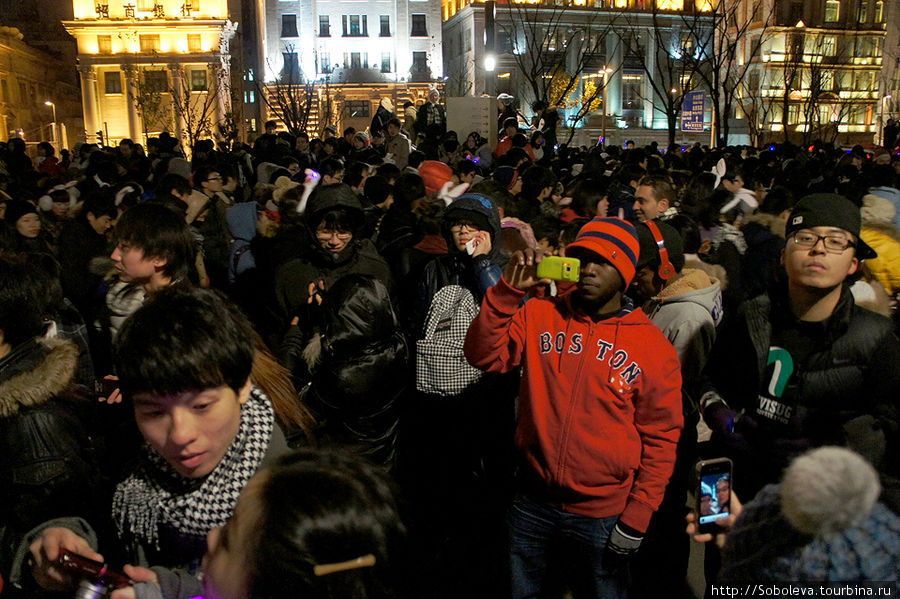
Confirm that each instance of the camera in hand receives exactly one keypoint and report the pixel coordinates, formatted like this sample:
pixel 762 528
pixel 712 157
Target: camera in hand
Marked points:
pixel 96 580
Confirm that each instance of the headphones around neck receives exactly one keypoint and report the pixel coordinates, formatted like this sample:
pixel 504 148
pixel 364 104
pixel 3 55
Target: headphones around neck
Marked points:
pixel 666 269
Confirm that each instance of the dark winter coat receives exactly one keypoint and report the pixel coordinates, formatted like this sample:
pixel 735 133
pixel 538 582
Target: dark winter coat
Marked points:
pixel 379 121
pixel 79 244
pixel 48 465
pixel 621 196
pixel 846 391
pixel 761 263
pixel 361 349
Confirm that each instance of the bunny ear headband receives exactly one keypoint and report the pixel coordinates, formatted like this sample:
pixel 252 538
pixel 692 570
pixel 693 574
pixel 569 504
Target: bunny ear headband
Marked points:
pixel 449 192
pixel 719 171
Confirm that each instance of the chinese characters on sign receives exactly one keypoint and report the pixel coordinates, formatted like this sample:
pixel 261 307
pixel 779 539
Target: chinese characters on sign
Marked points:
pixel 692 111
pixel 102 10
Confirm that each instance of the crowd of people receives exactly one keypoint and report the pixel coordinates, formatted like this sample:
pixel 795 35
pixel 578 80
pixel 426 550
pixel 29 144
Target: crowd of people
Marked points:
pixel 329 367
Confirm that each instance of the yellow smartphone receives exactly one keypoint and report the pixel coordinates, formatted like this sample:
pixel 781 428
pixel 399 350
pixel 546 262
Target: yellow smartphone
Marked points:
pixel 559 268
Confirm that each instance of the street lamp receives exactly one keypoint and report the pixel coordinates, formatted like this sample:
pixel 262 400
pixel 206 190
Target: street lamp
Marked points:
pixel 55 128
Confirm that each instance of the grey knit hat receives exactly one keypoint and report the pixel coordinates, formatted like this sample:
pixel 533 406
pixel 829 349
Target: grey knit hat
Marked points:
pixel 821 524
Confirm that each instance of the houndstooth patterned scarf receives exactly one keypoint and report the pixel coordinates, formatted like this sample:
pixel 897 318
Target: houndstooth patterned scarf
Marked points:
pixel 156 495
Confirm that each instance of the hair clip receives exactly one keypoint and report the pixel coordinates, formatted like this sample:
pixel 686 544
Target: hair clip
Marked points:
pixel 365 561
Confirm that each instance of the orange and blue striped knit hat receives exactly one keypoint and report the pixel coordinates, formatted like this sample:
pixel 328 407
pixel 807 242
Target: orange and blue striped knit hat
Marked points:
pixel 613 239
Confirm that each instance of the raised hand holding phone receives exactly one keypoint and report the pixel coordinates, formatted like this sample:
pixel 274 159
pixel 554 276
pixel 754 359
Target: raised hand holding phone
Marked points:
pixel 521 270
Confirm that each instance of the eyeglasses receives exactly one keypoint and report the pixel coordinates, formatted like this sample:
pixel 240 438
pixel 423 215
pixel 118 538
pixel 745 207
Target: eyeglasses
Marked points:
pixel 216 178
pixel 457 228
pixel 835 244
pixel 326 234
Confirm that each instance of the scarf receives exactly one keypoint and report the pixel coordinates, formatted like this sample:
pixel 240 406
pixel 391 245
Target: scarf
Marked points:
pixel 156 496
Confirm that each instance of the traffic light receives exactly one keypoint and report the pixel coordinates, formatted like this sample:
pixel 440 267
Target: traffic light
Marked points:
pixel 100 137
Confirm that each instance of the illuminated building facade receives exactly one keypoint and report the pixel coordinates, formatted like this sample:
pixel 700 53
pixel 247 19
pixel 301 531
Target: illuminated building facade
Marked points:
pixel 148 66
pixel 826 70
pixel 623 40
pixel 29 79
pixel 354 52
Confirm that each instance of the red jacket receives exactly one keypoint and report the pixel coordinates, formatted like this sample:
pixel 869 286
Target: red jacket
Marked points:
pixel 599 405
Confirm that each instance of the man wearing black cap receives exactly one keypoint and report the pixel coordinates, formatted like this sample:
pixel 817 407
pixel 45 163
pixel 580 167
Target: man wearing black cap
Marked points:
pixel 804 366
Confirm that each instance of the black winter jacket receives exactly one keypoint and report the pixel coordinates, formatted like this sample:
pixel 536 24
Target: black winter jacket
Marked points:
pixel 362 371
pixel 48 465
pixel 846 392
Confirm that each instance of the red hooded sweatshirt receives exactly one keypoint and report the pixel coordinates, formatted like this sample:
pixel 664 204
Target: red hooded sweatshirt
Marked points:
pixel 600 409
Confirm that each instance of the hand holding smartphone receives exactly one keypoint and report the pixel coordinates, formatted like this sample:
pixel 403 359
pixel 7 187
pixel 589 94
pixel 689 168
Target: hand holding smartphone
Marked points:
pixel 559 268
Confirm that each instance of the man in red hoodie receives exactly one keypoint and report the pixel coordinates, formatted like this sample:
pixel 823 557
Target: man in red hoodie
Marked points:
pixel 599 412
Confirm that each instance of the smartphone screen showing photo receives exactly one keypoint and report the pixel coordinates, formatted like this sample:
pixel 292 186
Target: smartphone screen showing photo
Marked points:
pixel 715 496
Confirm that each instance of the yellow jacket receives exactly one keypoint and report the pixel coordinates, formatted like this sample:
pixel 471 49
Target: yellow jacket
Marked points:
pixel 886 267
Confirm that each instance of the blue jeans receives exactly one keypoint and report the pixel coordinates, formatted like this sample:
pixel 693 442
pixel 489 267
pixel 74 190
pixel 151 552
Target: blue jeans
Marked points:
pixel 541 537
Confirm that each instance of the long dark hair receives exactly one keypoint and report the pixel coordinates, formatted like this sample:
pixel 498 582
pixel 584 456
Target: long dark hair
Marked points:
pixel 327 507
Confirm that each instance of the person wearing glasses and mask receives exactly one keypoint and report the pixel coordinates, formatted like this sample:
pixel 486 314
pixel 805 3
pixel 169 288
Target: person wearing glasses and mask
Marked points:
pixel 802 366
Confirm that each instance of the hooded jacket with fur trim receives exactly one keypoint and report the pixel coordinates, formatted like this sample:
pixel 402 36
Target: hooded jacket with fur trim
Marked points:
pixel 599 403
pixel 48 467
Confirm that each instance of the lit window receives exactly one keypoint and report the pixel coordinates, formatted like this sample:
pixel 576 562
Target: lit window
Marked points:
pixel 879 12
pixel 356 108
pixel 149 43
pixel 112 81
pixel 829 45
pixel 198 80
pixel 862 12
pixel 104 44
pixel 194 42
pixel 832 11
pixel 670 4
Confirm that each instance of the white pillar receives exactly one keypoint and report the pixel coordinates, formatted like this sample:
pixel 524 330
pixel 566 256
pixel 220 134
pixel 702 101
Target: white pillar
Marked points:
pixel 177 71
pixel 131 93
pixel 89 102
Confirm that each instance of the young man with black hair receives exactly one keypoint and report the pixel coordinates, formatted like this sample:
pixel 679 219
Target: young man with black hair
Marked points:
pixel 82 241
pixel 332 171
pixel 599 412
pixel 802 366
pixel 184 361
pixel 154 248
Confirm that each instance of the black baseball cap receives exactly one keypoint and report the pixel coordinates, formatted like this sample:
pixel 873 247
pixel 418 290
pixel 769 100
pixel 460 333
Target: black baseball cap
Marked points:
pixel 829 210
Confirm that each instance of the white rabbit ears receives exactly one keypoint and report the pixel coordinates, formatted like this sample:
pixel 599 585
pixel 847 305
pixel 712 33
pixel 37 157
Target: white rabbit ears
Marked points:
pixel 719 171
pixel 450 192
